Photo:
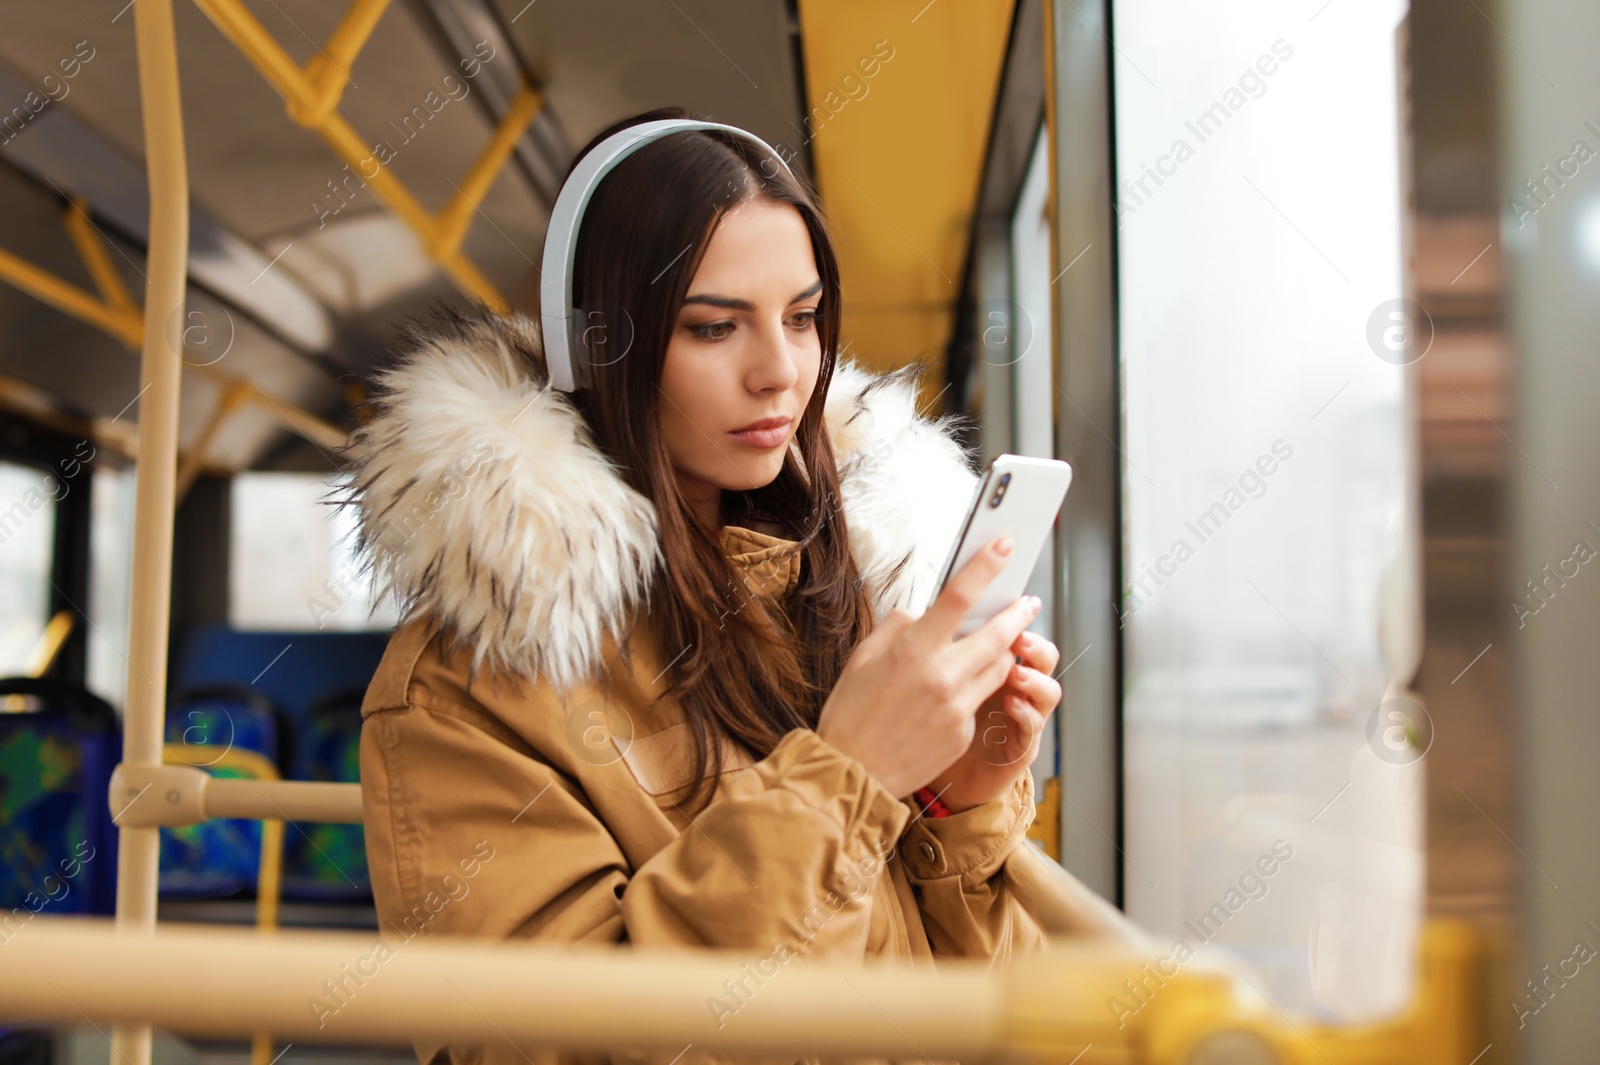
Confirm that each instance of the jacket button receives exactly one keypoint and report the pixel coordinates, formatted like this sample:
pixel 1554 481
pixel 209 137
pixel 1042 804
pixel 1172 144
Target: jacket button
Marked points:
pixel 925 849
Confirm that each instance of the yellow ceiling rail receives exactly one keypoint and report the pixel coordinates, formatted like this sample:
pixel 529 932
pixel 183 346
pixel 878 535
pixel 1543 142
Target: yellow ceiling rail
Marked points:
pixel 115 312
pixel 231 399
pixel 450 224
pixel 37 405
pixel 310 95
pixel 292 418
pixel 92 250
pixel 329 69
pixel 124 324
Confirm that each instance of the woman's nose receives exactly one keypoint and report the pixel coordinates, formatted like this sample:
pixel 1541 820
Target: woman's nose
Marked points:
pixel 775 365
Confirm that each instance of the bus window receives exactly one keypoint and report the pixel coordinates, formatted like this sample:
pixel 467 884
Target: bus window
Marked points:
pixel 1032 399
pixel 110 581
pixel 1034 394
pixel 1265 478
pixel 291 559
pixel 27 537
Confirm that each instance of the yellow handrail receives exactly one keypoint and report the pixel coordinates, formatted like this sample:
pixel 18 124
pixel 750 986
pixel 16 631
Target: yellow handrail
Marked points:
pixel 50 643
pixel 269 878
pixel 311 96
pixel 403 984
pixel 1046 827
pixel 161 369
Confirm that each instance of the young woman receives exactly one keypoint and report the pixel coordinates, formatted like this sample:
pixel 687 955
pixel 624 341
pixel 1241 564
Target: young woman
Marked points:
pixel 657 682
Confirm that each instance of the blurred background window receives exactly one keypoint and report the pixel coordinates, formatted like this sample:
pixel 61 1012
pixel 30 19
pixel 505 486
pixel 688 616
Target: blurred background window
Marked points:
pixel 110 581
pixel 1264 483
pixel 27 542
pixel 292 564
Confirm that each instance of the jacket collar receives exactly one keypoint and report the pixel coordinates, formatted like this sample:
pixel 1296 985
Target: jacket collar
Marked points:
pixel 770 565
pixel 483 502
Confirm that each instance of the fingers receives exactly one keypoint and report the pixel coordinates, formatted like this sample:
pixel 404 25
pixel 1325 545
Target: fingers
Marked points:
pixel 1012 730
pixel 958 595
pixel 1039 690
pixel 1029 721
pixel 983 653
pixel 1037 652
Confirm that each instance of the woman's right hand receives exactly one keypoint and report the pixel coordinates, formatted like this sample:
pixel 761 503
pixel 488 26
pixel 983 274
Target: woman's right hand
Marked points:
pixel 906 699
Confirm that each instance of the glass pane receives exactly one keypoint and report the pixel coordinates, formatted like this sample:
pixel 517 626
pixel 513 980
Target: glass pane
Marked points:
pixel 1258 230
pixel 1026 324
pixel 110 582
pixel 291 565
pixel 27 539
pixel 1034 382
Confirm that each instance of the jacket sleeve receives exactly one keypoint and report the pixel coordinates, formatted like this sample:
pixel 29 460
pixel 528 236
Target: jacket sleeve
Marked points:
pixel 954 865
pixel 777 867
pixel 771 868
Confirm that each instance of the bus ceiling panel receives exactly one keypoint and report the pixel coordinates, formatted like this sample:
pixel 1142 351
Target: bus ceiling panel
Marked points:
pixel 368 265
pixel 222 348
pixel 420 106
pixel 88 370
pixel 544 151
pixel 257 172
pixel 92 373
pixel 64 153
pixel 601 60
pixel 84 371
pixel 88 373
pixel 901 97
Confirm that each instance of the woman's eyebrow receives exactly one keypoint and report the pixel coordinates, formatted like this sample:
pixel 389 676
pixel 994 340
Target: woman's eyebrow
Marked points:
pixel 729 303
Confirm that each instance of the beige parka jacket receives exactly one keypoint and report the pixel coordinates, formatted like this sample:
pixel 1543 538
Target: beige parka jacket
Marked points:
pixel 503 798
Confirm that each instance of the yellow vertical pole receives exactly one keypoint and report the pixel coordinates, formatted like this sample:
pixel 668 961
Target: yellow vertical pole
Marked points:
pixel 159 376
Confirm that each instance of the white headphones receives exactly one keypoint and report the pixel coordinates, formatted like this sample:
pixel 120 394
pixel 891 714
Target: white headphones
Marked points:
pixel 561 239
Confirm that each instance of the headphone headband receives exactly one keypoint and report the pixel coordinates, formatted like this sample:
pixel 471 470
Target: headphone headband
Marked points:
pixel 561 238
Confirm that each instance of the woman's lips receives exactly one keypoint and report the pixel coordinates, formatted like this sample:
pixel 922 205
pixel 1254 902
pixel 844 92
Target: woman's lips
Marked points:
pixel 763 438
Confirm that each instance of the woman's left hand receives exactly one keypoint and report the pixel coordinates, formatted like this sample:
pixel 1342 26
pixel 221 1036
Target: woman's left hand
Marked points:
pixel 1007 728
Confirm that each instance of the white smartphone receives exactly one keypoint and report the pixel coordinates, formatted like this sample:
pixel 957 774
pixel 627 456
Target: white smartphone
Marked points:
pixel 1019 497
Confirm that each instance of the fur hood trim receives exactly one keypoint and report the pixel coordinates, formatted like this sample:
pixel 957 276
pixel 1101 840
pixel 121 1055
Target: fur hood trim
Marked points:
pixel 483 501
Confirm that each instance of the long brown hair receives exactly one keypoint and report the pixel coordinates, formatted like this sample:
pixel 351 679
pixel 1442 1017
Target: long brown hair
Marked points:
pixel 741 669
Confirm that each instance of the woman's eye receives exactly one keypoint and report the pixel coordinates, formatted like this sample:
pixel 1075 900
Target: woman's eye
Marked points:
pixel 715 331
pixel 712 330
